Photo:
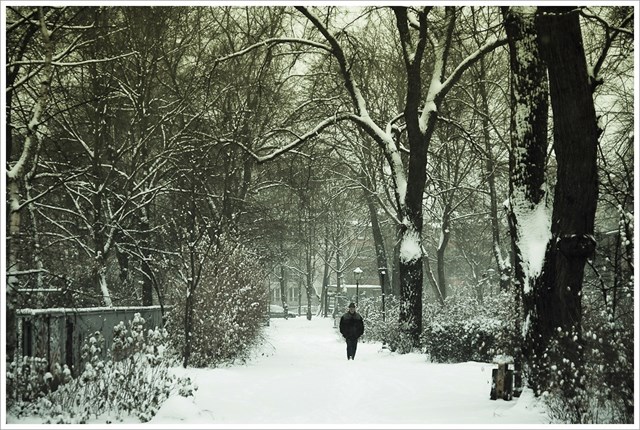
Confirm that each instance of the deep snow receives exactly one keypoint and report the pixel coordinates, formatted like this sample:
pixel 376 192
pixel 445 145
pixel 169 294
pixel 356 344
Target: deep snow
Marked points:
pixel 301 378
pixel 304 378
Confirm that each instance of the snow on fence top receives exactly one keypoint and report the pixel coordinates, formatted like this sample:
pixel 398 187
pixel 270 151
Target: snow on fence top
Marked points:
pixel 58 334
pixel 64 311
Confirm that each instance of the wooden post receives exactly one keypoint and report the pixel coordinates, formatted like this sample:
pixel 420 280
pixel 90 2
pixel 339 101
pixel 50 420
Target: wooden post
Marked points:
pixel 502 381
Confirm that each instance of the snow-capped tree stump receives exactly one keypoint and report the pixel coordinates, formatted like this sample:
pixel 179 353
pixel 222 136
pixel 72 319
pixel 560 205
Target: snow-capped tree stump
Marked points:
pixel 502 379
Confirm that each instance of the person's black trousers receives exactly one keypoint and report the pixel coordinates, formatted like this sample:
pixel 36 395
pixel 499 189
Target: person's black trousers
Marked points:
pixel 352 344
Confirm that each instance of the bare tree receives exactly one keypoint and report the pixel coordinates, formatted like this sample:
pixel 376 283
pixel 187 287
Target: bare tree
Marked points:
pixel 20 170
pixel 419 116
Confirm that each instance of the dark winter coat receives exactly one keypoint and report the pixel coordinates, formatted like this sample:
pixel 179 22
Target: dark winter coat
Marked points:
pixel 351 325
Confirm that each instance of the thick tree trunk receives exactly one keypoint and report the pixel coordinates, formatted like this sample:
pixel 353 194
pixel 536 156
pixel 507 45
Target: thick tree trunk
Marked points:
pixel 576 192
pixel 395 273
pixel 527 159
pixel 410 259
pixel 12 266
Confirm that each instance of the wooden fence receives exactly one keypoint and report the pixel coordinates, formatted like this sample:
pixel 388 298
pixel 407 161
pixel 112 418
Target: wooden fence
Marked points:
pixel 59 334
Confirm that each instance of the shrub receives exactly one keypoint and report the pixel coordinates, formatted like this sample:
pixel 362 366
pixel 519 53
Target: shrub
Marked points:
pixel 467 330
pixel 605 392
pixel 28 379
pixel 134 380
pixel 390 331
pixel 229 309
pixel 463 330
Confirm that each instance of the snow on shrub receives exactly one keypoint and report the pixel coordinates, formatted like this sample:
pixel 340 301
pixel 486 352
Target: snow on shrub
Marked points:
pixel 467 330
pixel 605 392
pixel 229 309
pixel 133 379
pixel 389 331
pixel 463 330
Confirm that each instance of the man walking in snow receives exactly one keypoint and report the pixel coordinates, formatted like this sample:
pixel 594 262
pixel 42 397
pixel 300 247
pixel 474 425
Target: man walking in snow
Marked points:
pixel 351 327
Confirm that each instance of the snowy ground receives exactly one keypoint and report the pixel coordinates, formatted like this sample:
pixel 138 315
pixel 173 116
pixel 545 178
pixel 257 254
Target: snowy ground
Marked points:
pixel 304 378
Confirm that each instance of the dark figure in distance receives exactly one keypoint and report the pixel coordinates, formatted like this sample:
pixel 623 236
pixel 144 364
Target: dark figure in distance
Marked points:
pixel 351 327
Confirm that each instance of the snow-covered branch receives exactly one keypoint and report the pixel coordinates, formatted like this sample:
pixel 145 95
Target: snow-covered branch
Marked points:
pixel 32 128
pixel 611 33
pixel 468 62
pixel 274 41
pixel 338 53
pixel 435 93
pixel 299 141
pixel 608 27
pixel 72 63
pixel 49 189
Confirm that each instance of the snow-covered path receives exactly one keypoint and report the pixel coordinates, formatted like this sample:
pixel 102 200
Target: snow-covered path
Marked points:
pixel 305 378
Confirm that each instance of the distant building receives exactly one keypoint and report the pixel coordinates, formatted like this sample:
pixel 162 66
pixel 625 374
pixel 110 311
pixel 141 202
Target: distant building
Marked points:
pixel 296 296
pixel 339 300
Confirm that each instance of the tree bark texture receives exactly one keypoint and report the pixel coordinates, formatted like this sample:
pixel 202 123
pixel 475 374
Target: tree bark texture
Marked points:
pixel 527 159
pixel 575 136
pixel 419 134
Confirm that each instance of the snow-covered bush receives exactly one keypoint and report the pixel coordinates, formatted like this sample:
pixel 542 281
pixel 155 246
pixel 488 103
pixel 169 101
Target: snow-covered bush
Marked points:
pixel 605 391
pixel 389 331
pixel 467 330
pixel 28 380
pixel 605 395
pixel 371 310
pixel 133 379
pixel 229 308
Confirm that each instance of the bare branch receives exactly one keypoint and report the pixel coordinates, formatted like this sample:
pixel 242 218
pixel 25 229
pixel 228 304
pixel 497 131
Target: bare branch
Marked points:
pixel 611 33
pixel 18 168
pixel 74 63
pixel 299 141
pixel 468 62
pixel 274 41
pixel 338 53
pixel 48 190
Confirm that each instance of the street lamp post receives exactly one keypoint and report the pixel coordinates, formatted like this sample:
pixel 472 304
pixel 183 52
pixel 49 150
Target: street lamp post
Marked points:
pixel 357 272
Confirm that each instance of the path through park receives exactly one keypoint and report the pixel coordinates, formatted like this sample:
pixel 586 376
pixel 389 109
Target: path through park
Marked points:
pixel 302 376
